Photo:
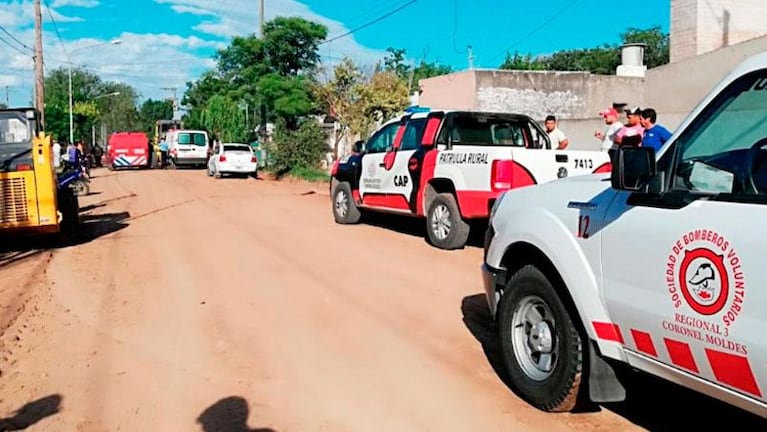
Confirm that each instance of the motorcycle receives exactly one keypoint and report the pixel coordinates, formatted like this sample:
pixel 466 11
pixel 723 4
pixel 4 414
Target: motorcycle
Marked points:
pixel 75 177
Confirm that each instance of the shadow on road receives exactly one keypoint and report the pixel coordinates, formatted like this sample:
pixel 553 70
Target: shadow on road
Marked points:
pixel 228 415
pixel 416 227
pixel 14 249
pixel 651 403
pixel 32 413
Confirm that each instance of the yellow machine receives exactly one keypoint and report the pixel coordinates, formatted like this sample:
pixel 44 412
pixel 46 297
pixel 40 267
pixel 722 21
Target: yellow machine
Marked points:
pixel 161 127
pixel 30 200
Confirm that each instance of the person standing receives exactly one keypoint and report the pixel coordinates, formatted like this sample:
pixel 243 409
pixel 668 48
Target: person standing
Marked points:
pixel 556 136
pixel 56 154
pixel 607 136
pixel 163 153
pixel 655 135
pixel 631 133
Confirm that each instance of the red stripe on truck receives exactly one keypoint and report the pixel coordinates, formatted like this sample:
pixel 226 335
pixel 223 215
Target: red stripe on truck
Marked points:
pixel 398 202
pixel 604 168
pixel 644 343
pixel 734 371
pixel 608 331
pixel 681 354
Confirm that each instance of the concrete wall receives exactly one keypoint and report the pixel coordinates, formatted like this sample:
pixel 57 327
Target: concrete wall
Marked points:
pixel 702 26
pixel 452 91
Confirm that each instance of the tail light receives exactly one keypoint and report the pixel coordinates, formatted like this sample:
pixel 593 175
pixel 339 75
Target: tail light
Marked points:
pixel 23 167
pixel 222 158
pixel 334 168
pixel 253 159
pixel 502 175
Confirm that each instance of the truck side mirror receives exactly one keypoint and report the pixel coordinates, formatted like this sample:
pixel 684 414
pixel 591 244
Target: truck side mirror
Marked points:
pixel 633 169
pixel 358 146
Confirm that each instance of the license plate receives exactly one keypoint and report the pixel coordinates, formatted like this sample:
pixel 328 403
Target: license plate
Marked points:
pixel 238 166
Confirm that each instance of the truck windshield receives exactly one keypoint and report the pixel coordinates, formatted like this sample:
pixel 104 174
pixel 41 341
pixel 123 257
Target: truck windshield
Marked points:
pixel 15 140
pixel 194 138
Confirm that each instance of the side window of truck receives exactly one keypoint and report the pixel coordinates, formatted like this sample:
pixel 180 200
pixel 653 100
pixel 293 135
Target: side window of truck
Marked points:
pixel 413 134
pixel 724 150
pixel 382 140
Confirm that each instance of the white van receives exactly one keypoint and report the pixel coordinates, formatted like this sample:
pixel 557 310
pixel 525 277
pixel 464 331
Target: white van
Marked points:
pixel 187 147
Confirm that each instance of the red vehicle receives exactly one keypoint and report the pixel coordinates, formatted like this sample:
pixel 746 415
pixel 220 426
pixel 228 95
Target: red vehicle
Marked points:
pixel 128 150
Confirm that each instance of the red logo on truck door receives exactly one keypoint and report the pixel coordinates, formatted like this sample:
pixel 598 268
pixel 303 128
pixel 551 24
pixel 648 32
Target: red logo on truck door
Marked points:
pixel 704 281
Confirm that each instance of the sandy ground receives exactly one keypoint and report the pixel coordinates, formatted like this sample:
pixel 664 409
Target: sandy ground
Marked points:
pixel 238 305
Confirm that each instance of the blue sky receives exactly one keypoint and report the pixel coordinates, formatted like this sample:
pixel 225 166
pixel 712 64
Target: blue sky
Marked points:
pixel 168 42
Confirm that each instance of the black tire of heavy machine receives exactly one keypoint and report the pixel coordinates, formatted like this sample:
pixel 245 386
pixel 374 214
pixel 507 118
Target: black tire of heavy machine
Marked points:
pixel 69 228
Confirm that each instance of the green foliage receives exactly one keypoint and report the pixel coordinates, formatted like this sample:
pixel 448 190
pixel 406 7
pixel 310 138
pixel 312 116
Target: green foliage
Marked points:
pixel 291 44
pixel 153 110
pixel 296 149
pixel 310 174
pixel 396 63
pixel 384 96
pixel 224 119
pixel 603 60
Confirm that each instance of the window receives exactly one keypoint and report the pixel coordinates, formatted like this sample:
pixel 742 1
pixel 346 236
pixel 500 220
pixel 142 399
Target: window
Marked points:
pixel 197 139
pixel 382 140
pixel 487 131
pixel 722 151
pixel 413 134
pixel 13 129
pixel 239 148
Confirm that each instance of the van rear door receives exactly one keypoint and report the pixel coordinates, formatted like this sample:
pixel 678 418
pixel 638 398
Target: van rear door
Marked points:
pixel 192 145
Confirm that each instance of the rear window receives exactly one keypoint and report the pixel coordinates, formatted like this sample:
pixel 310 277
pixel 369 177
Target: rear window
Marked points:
pixel 486 131
pixel 233 148
pixel 13 129
pixel 197 139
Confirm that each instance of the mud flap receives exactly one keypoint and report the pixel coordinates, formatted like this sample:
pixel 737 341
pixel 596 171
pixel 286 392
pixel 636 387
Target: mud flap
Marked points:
pixel 604 385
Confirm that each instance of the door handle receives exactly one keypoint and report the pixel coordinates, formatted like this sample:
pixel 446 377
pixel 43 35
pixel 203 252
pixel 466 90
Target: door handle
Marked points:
pixel 561 158
pixel 382 164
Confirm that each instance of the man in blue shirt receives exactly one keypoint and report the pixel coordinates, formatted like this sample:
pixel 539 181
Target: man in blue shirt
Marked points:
pixel 655 135
pixel 163 152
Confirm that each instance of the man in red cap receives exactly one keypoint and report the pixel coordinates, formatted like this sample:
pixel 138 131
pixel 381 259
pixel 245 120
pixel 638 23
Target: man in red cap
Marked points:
pixel 613 126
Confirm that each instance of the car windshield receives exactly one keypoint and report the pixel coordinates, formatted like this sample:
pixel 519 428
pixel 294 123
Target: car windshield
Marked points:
pixel 192 138
pixel 15 141
pixel 236 147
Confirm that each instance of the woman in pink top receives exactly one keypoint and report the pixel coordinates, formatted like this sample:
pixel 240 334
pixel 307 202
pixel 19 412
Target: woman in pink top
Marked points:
pixel 633 130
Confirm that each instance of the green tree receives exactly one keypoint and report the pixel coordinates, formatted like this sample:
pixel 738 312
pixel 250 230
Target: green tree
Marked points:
pixel 224 119
pixel 396 63
pixel 384 96
pixel 519 61
pixel 153 110
pixel 301 148
pixel 341 96
pixel 85 85
pixel 118 112
pixel 657 51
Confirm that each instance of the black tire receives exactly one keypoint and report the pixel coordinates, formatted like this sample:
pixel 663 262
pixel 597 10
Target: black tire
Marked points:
pixel 345 211
pixel 444 211
pixel 561 388
pixel 69 228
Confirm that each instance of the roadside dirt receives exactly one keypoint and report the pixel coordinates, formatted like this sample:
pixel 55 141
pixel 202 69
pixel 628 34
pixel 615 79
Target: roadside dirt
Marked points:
pixel 237 304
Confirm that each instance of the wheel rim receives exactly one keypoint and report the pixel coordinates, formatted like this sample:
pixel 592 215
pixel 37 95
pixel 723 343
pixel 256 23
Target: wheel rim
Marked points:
pixel 342 204
pixel 440 222
pixel 534 338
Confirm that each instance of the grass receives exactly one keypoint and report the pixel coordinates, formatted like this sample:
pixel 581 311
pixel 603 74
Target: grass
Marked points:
pixel 314 175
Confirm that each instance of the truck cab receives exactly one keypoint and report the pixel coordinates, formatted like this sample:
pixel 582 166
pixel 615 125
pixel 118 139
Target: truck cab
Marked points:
pixel 656 266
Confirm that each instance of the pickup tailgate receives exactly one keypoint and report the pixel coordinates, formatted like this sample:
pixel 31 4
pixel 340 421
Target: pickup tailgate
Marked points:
pixel 548 165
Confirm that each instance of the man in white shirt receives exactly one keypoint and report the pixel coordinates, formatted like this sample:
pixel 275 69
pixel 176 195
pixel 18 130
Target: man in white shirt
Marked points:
pixel 56 154
pixel 557 137
pixel 613 126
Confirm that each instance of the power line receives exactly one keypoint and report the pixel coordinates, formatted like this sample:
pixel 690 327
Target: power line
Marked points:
pixel 369 23
pixel 56 27
pixel 14 47
pixel 540 27
pixel 15 38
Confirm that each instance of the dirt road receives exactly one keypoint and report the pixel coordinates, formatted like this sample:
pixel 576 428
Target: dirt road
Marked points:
pixel 202 304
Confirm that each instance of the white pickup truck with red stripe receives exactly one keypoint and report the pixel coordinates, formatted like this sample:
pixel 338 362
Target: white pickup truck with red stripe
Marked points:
pixel 659 265
pixel 449 167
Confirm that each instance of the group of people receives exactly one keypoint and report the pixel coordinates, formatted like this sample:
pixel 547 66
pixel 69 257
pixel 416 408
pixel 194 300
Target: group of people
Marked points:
pixel 75 154
pixel 641 129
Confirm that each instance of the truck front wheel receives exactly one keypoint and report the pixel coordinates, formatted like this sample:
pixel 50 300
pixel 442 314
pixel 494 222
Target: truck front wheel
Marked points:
pixel 542 349
pixel 345 210
pixel 444 225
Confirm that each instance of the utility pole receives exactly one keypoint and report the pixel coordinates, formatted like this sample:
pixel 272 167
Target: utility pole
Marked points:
pixel 7 97
pixel 471 57
pixel 261 19
pixel 39 73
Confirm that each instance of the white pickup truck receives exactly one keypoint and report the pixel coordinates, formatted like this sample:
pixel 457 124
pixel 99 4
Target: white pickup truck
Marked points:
pixel 657 266
pixel 449 167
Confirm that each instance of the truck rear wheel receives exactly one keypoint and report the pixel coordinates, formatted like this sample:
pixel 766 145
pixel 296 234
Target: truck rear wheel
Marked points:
pixel 542 349
pixel 69 228
pixel 444 225
pixel 345 211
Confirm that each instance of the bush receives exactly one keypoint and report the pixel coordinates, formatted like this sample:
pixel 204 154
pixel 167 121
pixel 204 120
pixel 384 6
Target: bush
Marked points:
pixel 297 149
pixel 310 174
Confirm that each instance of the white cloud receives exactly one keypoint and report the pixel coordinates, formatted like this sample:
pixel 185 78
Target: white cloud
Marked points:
pixel 21 14
pixel 191 10
pixel 237 18
pixel 75 3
